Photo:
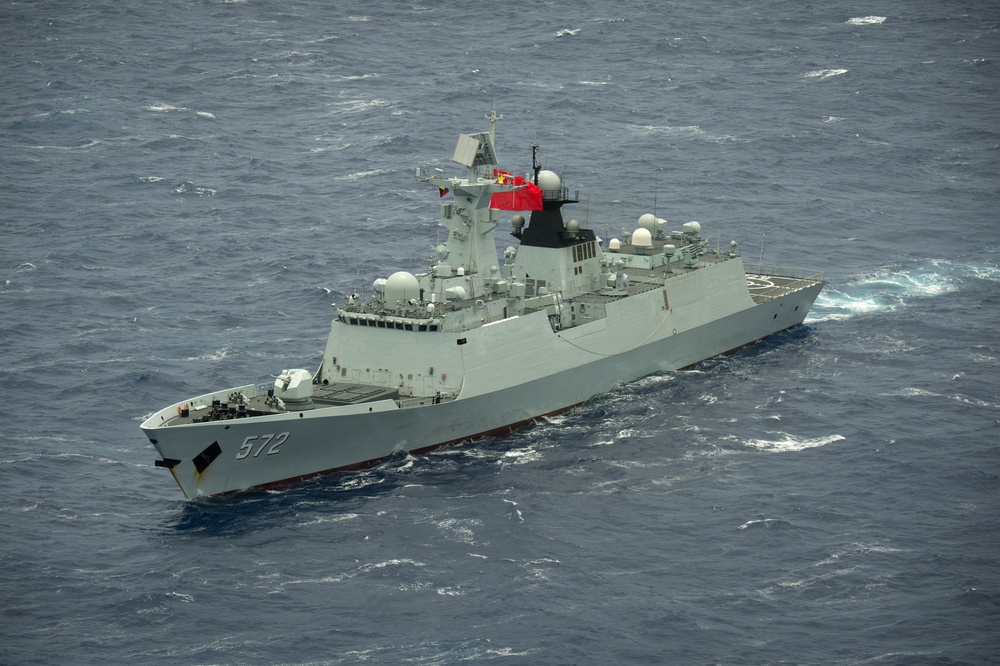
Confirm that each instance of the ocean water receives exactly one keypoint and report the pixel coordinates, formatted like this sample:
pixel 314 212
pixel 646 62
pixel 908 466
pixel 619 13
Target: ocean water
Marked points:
pixel 187 187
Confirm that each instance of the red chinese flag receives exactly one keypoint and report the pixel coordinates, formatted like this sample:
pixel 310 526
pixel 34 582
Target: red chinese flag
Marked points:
pixel 528 197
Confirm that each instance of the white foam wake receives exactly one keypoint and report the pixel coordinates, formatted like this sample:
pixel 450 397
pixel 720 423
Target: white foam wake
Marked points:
pixel 888 289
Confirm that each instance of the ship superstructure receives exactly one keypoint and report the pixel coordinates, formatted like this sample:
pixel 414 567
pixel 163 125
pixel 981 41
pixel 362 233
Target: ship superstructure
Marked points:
pixel 481 344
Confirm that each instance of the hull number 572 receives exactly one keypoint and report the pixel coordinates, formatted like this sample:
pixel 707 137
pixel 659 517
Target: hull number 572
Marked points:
pixel 255 444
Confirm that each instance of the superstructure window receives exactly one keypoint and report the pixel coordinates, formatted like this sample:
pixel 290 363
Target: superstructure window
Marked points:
pixel 584 251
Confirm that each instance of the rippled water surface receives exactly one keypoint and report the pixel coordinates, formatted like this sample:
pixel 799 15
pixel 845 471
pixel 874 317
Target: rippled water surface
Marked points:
pixel 187 187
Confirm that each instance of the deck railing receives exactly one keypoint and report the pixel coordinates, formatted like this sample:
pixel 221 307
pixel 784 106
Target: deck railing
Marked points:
pixel 782 271
pixel 423 400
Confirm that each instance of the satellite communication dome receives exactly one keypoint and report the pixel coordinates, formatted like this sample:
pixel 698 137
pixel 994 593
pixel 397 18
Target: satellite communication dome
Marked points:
pixel 456 293
pixel 517 221
pixel 642 237
pixel 573 226
pixel 548 181
pixel 693 228
pixel 441 251
pixel 648 222
pixel 614 245
pixel 401 286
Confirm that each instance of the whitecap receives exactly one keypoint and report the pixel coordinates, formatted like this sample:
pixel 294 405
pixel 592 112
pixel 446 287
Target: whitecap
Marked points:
pixel 567 31
pixel 916 392
pixel 975 402
pixel 89 144
pixel 824 73
pixel 217 355
pixel 519 515
pixel 507 652
pixel 787 443
pixel 459 528
pixel 761 521
pixel 391 563
pixel 191 188
pixel 520 457
pixel 366 174
pixel 205 114
pixel 331 519
pixel 866 20
pixel 978 272
pixel 164 108
pixel 686 130
pixel 980 358
pixel 360 105
pixel 537 569
pixel 670 129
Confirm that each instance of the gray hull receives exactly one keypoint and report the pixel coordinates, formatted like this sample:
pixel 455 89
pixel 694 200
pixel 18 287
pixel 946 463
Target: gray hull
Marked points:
pixel 325 440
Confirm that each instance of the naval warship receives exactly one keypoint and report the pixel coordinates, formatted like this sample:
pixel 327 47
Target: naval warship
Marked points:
pixel 482 344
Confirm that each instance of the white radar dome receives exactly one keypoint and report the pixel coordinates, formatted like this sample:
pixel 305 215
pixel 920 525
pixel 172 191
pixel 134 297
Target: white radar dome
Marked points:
pixel 642 237
pixel 648 222
pixel 401 286
pixel 614 245
pixel 573 226
pixel 548 180
pixel 456 293
pixel 693 228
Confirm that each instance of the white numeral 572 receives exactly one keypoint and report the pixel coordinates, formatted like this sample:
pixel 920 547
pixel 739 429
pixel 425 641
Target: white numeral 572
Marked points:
pixel 260 442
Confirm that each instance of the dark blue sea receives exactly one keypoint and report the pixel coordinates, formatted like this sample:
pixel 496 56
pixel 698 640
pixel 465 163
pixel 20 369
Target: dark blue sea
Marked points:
pixel 187 187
